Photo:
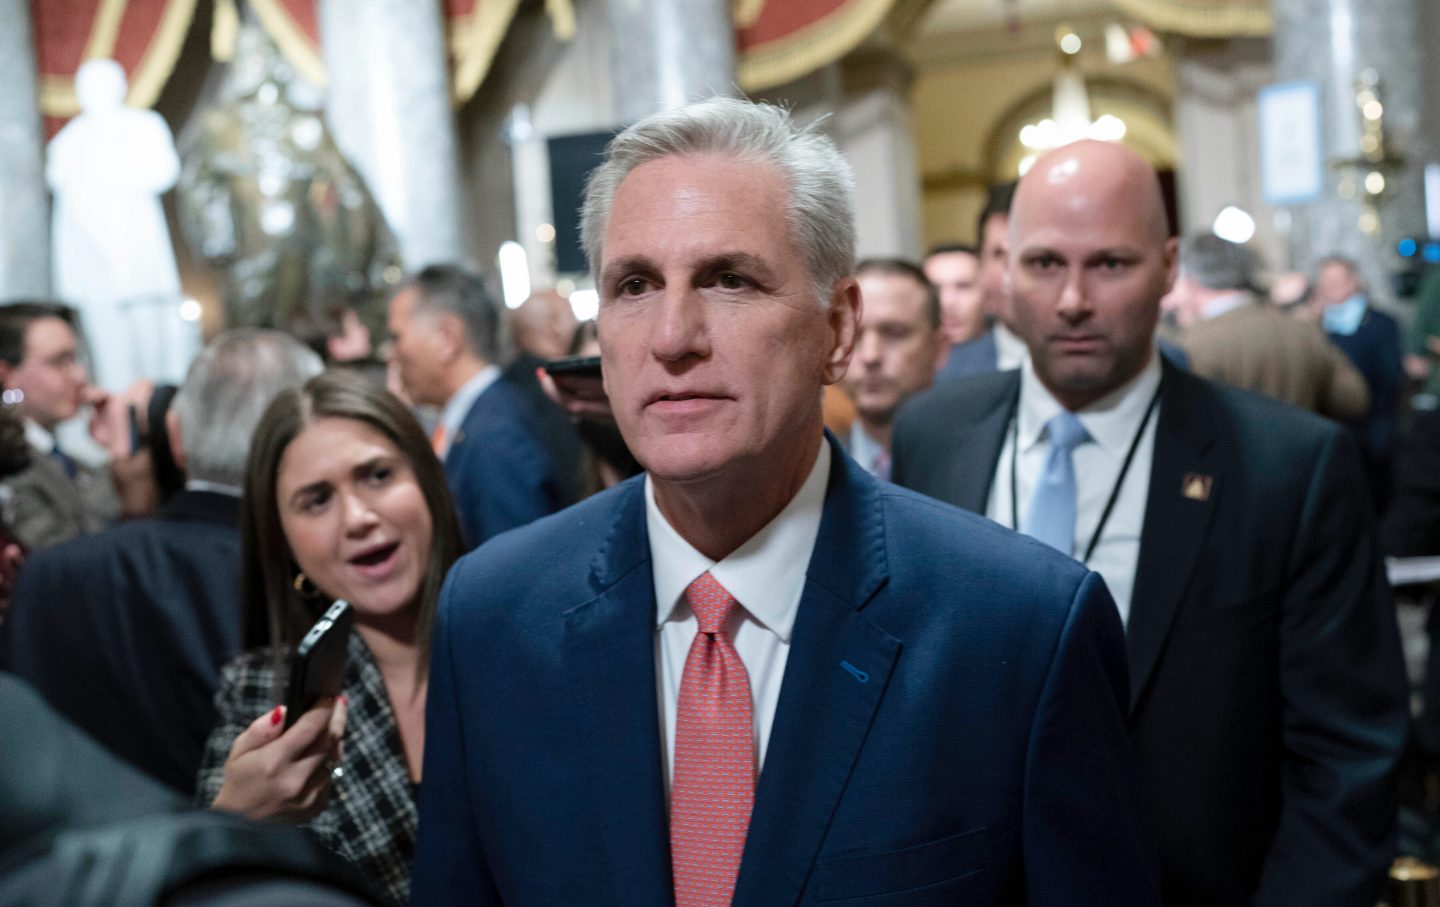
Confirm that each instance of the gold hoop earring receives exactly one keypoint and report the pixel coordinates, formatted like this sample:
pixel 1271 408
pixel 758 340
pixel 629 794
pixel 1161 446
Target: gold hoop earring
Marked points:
pixel 303 586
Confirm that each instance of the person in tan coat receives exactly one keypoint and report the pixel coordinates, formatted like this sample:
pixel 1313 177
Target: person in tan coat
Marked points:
pixel 1233 336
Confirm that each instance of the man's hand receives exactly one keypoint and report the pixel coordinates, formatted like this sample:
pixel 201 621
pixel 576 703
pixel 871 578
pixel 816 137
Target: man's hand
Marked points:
pixel 130 469
pixel 583 397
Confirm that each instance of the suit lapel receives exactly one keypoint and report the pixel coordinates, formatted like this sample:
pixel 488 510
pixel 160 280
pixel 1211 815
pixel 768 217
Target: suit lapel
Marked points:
pixel 610 657
pixel 977 447
pixel 835 676
pixel 1177 514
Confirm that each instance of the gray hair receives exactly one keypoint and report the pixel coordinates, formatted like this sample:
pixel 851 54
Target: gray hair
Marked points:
pixel 226 391
pixel 821 204
pixel 1219 264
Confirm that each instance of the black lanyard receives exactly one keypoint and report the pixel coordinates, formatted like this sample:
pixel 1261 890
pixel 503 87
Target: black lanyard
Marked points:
pixel 1114 492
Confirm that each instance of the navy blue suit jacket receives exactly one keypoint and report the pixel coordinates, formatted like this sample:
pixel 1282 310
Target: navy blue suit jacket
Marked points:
pixel 499 471
pixel 1268 699
pixel 950 725
pixel 124 631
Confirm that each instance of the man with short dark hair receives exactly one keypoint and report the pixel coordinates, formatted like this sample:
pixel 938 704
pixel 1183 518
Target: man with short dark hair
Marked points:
pixel 1233 336
pixel 756 675
pixel 954 270
pixel 446 331
pixel 125 631
pixel 1268 706
pixel 898 346
pixel 43 375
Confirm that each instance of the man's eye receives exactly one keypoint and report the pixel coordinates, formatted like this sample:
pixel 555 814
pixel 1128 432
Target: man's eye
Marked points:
pixel 732 281
pixel 632 287
pixel 1113 264
pixel 1044 262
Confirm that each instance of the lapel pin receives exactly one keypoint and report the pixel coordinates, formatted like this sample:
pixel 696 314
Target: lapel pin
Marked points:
pixel 855 672
pixel 1196 487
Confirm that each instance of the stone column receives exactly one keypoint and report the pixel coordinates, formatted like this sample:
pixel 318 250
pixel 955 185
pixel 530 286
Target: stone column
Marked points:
pixel 1216 84
pixel 1331 43
pixel 388 106
pixel 873 128
pixel 24 203
pixel 665 53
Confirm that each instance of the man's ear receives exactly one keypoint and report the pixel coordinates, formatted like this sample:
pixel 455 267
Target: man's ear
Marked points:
pixel 177 440
pixel 449 337
pixel 844 319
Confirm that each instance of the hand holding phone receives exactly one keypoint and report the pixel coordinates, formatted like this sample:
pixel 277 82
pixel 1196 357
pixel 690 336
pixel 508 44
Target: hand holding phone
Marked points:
pixel 576 385
pixel 317 669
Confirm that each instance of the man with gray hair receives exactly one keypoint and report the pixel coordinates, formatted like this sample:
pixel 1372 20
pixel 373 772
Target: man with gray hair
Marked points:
pixel 124 631
pixel 1234 336
pixel 757 675
pixel 447 348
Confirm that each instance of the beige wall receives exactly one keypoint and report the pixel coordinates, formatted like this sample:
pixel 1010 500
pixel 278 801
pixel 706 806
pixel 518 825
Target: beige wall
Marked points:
pixel 957 107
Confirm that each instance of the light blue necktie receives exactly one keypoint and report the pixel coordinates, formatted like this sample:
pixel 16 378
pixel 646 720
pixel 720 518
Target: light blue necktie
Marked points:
pixel 1051 517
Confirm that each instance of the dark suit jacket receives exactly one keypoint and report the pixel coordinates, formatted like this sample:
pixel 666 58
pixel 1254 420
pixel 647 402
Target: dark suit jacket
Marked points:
pixel 949 727
pixel 80 828
pixel 1268 703
pixel 973 357
pixel 1412 524
pixel 557 433
pixel 499 472
pixel 124 631
pixel 1375 350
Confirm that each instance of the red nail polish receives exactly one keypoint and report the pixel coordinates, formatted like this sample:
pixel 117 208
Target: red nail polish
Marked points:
pixel 276 715
pixel 344 699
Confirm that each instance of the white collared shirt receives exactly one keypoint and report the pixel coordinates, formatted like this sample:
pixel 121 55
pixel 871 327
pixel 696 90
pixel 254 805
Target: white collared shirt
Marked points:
pixel 1111 422
pixel 1010 350
pixel 766 575
pixel 39 437
pixel 864 449
pixel 458 406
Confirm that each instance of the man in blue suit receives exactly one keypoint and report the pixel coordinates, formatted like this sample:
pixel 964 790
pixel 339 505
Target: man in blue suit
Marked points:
pixel 446 331
pixel 758 676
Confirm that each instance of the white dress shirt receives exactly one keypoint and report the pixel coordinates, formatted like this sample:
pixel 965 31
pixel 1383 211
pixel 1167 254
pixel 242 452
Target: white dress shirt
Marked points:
pixel 865 450
pixel 1111 422
pixel 458 406
pixel 1010 350
pixel 40 438
pixel 766 575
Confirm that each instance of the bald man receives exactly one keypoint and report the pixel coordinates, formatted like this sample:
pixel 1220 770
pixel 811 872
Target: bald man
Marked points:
pixel 1268 705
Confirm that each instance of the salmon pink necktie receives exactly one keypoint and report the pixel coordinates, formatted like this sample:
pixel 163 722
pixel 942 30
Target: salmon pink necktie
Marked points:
pixel 714 785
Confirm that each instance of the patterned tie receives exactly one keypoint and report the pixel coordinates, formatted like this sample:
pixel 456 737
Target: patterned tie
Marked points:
pixel 1051 517
pixel 714 786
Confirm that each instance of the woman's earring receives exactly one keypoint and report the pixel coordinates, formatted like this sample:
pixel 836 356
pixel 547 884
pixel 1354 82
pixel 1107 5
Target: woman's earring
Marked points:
pixel 303 586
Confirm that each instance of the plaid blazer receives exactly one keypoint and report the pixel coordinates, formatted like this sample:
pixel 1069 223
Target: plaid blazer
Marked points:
pixel 372 816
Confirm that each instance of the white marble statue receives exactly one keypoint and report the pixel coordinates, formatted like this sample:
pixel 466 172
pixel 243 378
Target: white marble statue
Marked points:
pixel 113 259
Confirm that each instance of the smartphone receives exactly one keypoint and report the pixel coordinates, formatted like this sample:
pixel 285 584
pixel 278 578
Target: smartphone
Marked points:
pixel 317 669
pixel 579 366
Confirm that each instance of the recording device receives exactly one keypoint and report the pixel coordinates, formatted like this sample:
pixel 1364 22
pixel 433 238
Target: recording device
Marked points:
pixel 578 366
pixel 317 669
